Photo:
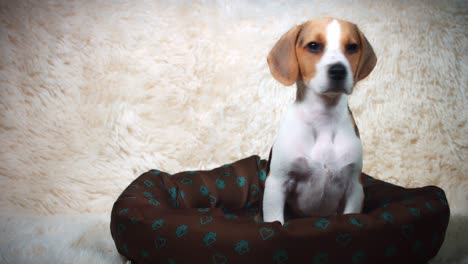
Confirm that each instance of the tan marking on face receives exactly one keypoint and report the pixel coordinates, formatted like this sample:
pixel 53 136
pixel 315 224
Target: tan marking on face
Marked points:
pixel 312 31
pixel 350 35
pixel 315 30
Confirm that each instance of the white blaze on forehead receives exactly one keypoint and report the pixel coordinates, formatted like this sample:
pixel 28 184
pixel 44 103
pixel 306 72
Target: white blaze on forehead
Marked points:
pixel 333 35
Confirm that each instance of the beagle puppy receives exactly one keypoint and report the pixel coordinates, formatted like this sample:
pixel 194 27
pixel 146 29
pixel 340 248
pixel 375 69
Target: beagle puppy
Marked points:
pixel 316 159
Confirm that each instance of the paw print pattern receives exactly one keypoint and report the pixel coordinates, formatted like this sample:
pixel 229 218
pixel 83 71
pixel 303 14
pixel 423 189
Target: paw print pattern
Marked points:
pixel 414 212
pixel 254 189
pixel 209 238
pixel 149 183
pixel 356 222
pixel 213 200
pixel 429 206
pixel 123 211
pixel 133 187
pixel 204 190
pixel 172 192
pixel 205 219
pixel 241 181
pixel 155 172
pixel 387 217
pixel 186 181
pixel 173 197
pixel 157 224
pixel 159 242
pixel 343 239
pixel 322 223
pixel 261 175
pixel 220 184
pixel 242 247
pixel 181 230
pixel 219 259
pixel 154 202
pixel 230 216
pixel 280 257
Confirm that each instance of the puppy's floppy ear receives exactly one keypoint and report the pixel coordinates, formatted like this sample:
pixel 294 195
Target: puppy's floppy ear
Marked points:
pixel 282 59
pixel 367 60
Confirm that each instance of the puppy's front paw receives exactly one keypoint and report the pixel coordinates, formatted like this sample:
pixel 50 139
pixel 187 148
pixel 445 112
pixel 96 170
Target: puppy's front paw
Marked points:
pixel 273 219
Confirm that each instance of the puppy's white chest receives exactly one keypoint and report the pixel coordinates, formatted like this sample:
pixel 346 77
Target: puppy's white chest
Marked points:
pixel 333 148
pixel 318 141
pixel 320 160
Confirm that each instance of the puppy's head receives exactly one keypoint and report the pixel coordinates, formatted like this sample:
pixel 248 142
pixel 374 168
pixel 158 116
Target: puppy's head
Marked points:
pixel 328 55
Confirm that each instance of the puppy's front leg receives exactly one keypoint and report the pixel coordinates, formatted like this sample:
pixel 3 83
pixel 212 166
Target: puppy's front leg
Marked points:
pixel 274 199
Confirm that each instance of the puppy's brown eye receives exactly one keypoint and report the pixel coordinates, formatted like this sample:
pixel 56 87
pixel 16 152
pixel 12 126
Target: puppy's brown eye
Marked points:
pixel 351 48
pixel 314 47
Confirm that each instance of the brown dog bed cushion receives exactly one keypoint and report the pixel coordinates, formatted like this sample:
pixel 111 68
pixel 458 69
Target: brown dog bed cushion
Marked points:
pixel 214 217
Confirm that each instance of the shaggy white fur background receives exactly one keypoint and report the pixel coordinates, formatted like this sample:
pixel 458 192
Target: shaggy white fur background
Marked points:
pixel 94 93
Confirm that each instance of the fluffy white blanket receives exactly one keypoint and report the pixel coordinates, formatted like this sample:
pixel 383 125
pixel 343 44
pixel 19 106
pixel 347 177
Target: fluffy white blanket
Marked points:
pixel 93 93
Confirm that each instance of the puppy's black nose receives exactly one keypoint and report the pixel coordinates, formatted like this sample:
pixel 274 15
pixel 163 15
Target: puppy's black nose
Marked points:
pixel 337 72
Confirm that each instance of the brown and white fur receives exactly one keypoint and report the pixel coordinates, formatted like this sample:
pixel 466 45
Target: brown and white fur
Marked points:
pixel 316 159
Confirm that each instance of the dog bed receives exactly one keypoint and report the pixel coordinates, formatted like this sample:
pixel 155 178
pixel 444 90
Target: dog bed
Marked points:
pixel 214 217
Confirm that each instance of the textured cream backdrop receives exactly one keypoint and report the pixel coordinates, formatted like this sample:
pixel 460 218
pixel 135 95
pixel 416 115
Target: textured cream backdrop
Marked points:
pixel 93 93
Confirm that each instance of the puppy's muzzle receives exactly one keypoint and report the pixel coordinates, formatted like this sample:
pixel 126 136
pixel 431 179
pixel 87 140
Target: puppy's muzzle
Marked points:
pixel 337 72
